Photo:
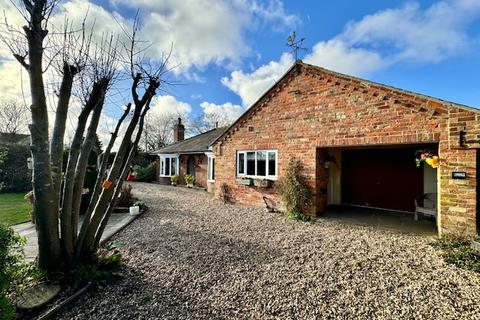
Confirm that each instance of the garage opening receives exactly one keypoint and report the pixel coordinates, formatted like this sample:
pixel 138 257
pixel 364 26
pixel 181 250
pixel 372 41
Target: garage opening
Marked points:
pixel 384 177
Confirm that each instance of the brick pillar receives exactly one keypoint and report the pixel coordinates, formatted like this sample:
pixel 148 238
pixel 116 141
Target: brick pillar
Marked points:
pixel 457 198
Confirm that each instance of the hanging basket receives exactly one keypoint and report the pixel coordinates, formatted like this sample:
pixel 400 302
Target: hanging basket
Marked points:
pixel 428 157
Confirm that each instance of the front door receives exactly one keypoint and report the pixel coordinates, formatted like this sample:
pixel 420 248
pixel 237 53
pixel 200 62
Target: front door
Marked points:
pixel 191 166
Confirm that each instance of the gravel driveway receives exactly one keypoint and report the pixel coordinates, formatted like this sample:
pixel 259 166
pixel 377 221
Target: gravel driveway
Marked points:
pixel 190 257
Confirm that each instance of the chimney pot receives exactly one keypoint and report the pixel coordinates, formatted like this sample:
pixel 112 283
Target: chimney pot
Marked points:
pixel 178 131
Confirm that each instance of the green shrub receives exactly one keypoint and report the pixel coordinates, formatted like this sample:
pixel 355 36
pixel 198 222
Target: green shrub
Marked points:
pixel 11 267
pixel 189 179
pixel 175 178
pixel 459 252
pixel 295 215
pixel 3 155
pixel 15 174
pixel 145 174
pixel 294 189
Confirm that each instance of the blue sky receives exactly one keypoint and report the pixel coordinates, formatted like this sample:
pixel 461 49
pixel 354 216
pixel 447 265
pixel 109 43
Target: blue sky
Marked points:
pixel 452 74
pixel 229 52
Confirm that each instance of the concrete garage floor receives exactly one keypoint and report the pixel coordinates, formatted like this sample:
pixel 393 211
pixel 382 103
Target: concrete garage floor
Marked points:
pixel 382 219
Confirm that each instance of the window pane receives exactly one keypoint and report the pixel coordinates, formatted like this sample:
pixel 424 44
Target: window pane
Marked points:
pixel 241 163
pixel 251 163
pixel 272 164
pixel 261 163
pixel 174 166
pixel 162 166
pixel 213 169
pixel 167 166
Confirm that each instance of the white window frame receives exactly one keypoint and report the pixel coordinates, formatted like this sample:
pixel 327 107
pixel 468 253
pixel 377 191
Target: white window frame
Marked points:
pixel 255 176
pixel 163 158
pixel 210 169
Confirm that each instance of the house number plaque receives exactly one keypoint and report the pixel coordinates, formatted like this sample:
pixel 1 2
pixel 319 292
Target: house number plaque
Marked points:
pixel 459 175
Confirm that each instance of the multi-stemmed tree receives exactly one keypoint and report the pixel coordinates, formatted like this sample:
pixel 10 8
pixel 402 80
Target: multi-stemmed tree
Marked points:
pixel 92 68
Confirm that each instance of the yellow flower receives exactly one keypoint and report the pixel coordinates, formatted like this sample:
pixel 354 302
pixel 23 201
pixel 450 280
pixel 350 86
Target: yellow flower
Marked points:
pixel 434 162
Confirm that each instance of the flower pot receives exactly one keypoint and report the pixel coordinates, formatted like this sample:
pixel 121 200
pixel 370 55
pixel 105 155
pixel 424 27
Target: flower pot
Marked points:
pixel 135 210
pixel 189 185
pixel 261 183
pixel 174 183
pixel 245 182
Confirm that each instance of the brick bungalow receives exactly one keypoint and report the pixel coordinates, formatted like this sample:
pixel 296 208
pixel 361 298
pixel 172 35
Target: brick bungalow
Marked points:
pixel 357 141
pixel 188 156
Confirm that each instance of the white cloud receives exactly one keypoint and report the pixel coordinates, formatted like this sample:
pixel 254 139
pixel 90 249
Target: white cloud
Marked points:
pixel 169 105
pixel 337 55
pixel 204 31
pixel 228 112
pixel 249 86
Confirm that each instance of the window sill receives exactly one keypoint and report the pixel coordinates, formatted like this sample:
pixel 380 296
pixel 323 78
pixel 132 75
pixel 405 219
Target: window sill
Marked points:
pixel 271 178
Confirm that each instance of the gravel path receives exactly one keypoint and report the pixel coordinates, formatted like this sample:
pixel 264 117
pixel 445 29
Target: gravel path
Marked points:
pixel 190 257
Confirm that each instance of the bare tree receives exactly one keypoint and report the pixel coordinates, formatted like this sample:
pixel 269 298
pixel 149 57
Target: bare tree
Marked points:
pixel 157 131
pixel 98 66
pixel 13 116
pixel 207 122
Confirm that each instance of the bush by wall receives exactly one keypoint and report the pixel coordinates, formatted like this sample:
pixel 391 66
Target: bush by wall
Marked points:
pixel 10 265
pixel 294 190
pixel 15 173
pixel 146 173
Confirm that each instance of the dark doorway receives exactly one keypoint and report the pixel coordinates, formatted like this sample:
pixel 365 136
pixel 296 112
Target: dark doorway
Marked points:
pixel 191 165
pixel 381 178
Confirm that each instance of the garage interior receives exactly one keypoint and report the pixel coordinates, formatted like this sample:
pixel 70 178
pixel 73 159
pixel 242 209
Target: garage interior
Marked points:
pixel 379 185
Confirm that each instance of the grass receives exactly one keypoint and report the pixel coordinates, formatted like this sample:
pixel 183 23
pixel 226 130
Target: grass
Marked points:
pixel 459 253
pixel 14 209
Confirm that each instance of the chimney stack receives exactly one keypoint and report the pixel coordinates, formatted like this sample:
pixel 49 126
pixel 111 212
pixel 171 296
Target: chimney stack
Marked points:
pixel 178 131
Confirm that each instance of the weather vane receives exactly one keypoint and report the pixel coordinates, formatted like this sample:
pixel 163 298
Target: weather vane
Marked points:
pixel 295 45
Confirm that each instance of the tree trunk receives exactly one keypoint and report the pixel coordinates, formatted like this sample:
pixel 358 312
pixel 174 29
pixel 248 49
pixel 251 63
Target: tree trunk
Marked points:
pixel 106 196
pixel 123 176
pixel 46 207
pixel 66 216
pixel 58 135
pixel 100 177
pixel 83 163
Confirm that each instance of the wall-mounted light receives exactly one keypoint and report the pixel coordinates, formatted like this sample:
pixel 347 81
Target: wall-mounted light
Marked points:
pixel 29 163
pixel 463 139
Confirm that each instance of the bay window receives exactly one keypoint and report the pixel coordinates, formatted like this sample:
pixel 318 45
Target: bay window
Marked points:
pixel 169 165
pixel 257 164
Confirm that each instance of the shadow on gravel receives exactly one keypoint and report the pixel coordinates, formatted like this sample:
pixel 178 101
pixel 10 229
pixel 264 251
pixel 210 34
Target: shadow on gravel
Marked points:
pixel 196 249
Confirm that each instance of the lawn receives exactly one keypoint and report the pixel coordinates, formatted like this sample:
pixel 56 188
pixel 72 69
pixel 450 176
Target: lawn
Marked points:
pixel 14 208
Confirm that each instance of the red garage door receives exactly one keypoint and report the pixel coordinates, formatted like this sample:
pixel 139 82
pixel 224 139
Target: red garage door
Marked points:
pixel 383 178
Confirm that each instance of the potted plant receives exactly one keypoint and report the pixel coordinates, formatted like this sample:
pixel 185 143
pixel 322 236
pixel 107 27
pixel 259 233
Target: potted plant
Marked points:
pixel 244 181
pixel 261 183
pixel 189 180
pixel 428 157
pixel 174 180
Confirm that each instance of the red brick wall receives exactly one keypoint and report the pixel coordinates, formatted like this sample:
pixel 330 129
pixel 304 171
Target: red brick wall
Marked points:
pixel 312 109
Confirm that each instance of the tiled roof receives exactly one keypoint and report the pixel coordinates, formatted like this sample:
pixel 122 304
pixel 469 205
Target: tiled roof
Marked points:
pixel 198 143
